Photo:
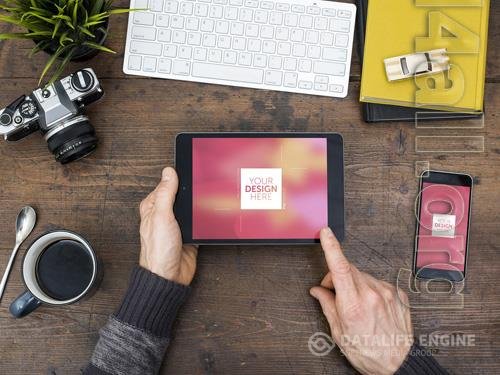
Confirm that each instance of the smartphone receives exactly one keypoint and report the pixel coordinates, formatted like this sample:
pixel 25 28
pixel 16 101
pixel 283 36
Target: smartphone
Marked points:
pixel 442 231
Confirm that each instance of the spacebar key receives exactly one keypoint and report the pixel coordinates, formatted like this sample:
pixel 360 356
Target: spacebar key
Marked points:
pixel 227 73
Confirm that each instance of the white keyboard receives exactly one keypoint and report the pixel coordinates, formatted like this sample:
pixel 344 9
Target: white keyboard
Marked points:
pixel 297 46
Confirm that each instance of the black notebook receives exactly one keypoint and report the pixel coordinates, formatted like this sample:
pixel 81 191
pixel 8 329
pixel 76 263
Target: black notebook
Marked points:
pixel 384 113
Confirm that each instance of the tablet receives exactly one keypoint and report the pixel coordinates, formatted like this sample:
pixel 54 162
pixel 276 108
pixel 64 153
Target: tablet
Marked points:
pixel 255 188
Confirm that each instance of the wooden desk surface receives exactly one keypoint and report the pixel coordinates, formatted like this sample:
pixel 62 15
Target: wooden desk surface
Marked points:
pixel 249 311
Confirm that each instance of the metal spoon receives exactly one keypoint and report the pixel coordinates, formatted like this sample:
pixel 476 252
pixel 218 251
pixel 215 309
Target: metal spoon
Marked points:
pixel 25 223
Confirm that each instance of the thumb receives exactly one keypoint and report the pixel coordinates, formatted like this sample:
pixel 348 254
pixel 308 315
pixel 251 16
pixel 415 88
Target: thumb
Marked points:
pixel 327 301
pixel 166 190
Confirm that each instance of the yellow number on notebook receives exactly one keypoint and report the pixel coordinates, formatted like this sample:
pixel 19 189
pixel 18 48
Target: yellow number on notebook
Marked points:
pixel 448 3
pixel 456 39
pixel 440 89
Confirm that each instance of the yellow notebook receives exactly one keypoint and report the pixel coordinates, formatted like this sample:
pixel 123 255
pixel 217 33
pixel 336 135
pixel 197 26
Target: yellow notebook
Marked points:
pixel 401 27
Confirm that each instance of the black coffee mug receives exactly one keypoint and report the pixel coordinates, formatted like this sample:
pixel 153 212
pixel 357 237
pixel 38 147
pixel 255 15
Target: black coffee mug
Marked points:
pixel 59 268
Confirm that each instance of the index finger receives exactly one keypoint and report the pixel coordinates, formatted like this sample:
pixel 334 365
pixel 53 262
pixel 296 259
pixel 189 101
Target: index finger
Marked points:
pixel 340 269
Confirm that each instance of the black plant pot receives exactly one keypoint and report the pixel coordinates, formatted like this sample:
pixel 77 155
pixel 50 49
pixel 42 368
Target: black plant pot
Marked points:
pixel 82 53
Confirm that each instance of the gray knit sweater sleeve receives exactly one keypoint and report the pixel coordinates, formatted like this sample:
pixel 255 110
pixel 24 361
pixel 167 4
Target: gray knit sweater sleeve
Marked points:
pixel 135 338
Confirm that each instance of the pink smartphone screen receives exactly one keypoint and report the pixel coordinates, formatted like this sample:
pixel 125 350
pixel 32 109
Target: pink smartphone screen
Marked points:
pixel 444 220
pixel 259 188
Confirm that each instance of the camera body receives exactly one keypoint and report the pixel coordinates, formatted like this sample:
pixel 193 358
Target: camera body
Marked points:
pixel 57 111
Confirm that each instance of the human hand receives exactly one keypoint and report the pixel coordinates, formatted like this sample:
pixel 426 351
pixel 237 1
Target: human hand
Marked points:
pixel 162 251
pixel 369 322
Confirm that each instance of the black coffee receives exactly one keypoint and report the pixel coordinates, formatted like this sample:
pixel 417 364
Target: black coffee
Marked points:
pixel 64 270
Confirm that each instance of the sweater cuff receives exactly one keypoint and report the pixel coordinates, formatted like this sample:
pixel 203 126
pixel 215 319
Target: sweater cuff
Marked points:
pixel 420 361
pixel 151 302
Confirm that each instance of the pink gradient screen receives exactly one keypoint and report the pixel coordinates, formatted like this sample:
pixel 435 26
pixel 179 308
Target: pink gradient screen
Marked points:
pixel 224 169
pixel 446 250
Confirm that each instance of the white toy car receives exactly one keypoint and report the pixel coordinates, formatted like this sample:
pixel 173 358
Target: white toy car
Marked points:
pixel 420 63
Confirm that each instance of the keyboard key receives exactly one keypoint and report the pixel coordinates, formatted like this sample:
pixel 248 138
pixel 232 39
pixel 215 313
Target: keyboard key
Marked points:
pixel 275 62
pixel 284 48
pixel 276 18
pixel 143 18
pixel 314 52
pixel 144 33
pixel 320 86
pixel 282 33
pixel 252 30
pixel 329 12
pixel 201 10
pixel 333 69
pixel 222 27
pixel 207 25
pixel 192 24
pixel 200 54
pixel 215 55
pixel 246 15
pixel 164 35
pixel 313 10
pixel 181 67
pixel 320 23
pixel 334 54
pixel 260 16
pixel 269 46
pixel 260 61
pixel 342 26
pixel 245 58
pixel 186 8
pixel 162 20
pixel 156 5
pixel 239 43
pixel 341 40
pixel 266 5
pixel 236 2
pixel 230 57
pixel 305 65
pixel 306 22
pixel 297 35
pixel 273 78
pixel 290 63
pixel 209 40
pixel 283 7
pixel 134 62
pixel 171 6
pixel 254 45
pixel 344 14
pixel 290 79
pixel 305 85
pixel 298 8
pixel 326 39
pixel 312 37
pixel 231 13
pixel 179 36
pixel 224 41
pixel 336 88
pixel 251 3
pixel 237 28
pixel 321 79
pixel 267 32
pixel 149 64
pixel 145 48
pixel 299 50
pixel 228 73
pixel 141 4
pixel 164 66
pixel 291 19
pixel 170 50
pixel 216 11
pixel 177 22
pixel 185 52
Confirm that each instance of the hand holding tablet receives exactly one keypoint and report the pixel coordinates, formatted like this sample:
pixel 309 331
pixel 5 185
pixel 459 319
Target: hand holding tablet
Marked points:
pixel 259 188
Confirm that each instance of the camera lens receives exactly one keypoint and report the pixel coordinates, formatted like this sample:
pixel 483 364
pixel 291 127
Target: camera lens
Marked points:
pixel 72 140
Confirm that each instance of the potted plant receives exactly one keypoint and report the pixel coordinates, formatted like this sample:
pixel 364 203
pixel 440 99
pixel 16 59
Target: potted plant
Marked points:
pixel 68 30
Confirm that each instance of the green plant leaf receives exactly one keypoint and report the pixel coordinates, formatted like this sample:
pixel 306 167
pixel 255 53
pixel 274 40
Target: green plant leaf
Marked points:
pixel 7 36
pixel 61 67
pixel 51 61
pixel 56 28
pixel 86 31
pixel 97 7
pixel 119 11
pixel 98 46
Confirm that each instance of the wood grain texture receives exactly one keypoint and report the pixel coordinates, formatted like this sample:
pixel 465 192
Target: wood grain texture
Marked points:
pixel 250 311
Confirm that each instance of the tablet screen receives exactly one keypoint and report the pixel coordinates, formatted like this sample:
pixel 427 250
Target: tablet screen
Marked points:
pixel 259 188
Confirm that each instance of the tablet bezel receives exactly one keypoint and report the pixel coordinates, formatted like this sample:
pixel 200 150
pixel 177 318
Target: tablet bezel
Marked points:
pixel 184 204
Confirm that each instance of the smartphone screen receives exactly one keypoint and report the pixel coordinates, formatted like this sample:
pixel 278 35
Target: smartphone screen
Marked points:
pixel 442 231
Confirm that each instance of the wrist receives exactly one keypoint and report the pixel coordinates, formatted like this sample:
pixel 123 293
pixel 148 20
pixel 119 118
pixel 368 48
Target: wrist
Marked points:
pixel 151 302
